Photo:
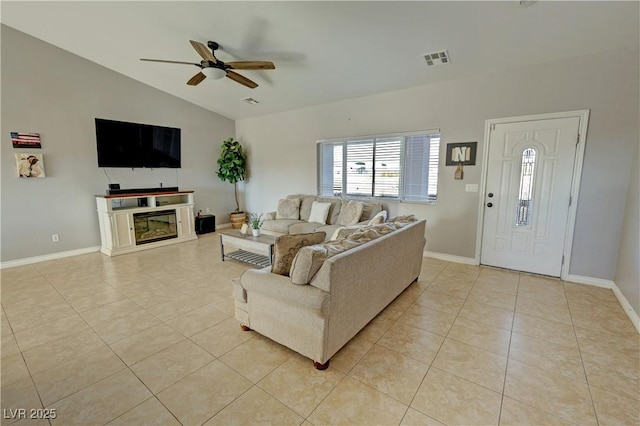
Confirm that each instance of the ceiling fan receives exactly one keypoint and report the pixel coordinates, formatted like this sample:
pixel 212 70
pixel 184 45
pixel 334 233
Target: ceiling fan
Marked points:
pixel 214 68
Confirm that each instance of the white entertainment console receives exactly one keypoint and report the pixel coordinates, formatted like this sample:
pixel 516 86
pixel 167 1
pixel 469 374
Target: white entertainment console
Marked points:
pixel 132 222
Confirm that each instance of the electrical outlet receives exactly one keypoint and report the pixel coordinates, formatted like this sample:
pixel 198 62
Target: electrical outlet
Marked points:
pixel 207 210
pixel 471 187
pixel 55 238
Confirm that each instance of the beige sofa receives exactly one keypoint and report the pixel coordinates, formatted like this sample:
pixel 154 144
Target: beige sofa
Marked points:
pixel 318 318
pixel 301 224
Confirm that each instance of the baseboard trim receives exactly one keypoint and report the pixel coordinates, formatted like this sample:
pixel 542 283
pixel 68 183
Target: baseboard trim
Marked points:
pixel 46 257
pixel 633 316
pixel 596 282
pixel 450 257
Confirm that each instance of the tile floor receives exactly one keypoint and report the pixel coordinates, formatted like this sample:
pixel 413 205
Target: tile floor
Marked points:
pixel 150 338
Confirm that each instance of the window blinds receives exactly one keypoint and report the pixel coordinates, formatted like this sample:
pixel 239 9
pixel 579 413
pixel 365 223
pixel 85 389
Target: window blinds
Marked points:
pixel 403 167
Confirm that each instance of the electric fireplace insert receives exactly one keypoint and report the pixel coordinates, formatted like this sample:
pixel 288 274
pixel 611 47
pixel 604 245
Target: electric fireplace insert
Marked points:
pixel 155 226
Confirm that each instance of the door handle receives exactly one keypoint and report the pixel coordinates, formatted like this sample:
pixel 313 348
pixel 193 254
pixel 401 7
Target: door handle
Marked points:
pixel 489 204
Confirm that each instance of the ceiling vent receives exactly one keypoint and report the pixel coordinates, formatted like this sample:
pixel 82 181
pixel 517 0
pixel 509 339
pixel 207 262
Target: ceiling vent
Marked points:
pixel 437 58
pixel 251 101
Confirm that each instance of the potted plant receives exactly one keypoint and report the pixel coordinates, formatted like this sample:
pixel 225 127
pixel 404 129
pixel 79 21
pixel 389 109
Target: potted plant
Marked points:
pixel 232 168
pixel 255 222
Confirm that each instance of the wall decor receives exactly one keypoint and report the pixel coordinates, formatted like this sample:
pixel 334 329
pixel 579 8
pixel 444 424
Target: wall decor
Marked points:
pixel 459 174
pixel 463 153
pixel 30 165
pixel 25 140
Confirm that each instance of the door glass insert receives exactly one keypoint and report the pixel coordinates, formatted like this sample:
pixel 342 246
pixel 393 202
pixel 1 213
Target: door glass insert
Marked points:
pixel 526 187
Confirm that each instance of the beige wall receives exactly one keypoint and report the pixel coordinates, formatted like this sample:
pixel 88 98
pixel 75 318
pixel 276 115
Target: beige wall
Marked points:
pixel 52 92
pixel 282 156
pixel 628 273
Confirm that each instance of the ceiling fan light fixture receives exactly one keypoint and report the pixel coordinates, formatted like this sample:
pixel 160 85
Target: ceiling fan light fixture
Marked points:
pixel 215 69
pixel 214 73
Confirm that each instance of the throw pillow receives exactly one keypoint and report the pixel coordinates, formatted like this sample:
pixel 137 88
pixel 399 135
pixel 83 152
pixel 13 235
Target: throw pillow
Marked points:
pixel 305 205
pixel 288 208
pixel 345 231
pixel 403 220
pixel 336 247
pixel 307 263
pixel 364 235
pixel 350 213
pixel 286 247
pixel 385 228
pixel 378 218
pixel 334 210
pixel 336 233
pixel 370 209
pixel 319 212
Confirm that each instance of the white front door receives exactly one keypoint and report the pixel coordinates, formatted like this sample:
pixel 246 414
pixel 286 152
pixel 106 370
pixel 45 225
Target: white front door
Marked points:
pixel 527 194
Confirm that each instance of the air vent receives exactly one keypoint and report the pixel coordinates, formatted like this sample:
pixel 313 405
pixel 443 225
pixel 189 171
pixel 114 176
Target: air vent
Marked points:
pixel 437 58
pixel 251 101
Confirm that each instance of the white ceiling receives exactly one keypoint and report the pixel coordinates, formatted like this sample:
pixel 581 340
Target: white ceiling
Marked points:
pixel 323 51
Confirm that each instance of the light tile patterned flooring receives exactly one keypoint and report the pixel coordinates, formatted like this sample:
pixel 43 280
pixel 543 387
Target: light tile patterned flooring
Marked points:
pixel 150 338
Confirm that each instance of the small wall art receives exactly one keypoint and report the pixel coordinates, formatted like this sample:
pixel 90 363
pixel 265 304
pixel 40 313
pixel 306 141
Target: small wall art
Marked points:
pixel 461 154
pixel 25 140
pixel 30 165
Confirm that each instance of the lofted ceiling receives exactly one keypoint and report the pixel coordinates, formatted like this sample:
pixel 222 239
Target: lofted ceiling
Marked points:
pixel 323 51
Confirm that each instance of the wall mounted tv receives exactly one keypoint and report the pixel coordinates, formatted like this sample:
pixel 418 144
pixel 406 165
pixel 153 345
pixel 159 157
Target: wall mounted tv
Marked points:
pixel 122 144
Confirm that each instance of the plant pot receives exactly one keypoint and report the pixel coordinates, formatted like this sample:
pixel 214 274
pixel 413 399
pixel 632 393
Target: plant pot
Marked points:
pixel 237 219
pixel 256 232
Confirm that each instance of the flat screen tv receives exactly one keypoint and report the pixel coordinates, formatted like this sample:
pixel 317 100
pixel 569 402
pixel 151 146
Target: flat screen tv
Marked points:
pixel 122 144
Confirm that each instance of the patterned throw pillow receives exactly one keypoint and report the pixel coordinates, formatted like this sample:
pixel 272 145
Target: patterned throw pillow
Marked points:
pixel 344 232
pixel 385 228
pixel 350 213
pixel 286 247
pixel 288 208
pixel 403 220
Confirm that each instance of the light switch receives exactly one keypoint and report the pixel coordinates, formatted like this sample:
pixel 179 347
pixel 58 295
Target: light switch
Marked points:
pixel 471 187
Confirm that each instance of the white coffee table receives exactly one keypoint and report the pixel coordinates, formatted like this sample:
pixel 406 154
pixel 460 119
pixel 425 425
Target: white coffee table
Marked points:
pixel 254 250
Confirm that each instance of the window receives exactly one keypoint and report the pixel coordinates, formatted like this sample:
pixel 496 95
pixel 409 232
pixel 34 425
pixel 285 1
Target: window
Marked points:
pixel 526 187
pixel 402 167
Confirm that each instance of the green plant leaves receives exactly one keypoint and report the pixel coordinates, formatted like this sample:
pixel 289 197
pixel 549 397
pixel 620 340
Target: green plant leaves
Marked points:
pixel 232 161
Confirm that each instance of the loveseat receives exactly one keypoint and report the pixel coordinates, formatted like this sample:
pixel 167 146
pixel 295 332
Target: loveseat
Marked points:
pixel 289 219
pixel 317 313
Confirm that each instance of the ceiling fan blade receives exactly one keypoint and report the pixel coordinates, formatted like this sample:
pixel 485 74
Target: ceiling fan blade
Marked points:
pixel 196 79
pixel 241 79
pixel 203 51
pixel 170 62
pixel 251 65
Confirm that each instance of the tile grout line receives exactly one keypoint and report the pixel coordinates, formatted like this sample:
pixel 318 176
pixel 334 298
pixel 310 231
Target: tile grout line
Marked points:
pixel 553 414
pixel 78 356
pixel 441 344
pixel 506 367
pixel 584 369
pixel 346 374
pixel 518 295
pixel 126 366
pixel 65 336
